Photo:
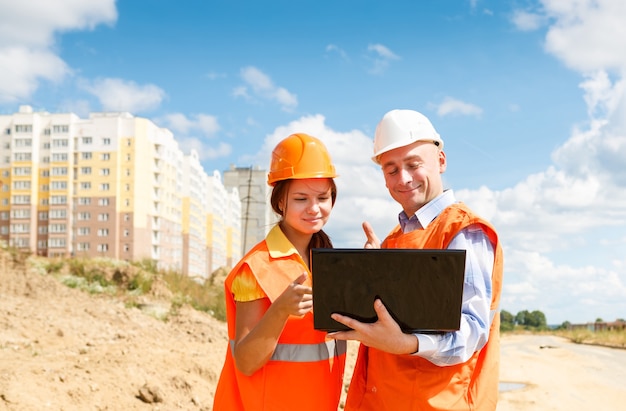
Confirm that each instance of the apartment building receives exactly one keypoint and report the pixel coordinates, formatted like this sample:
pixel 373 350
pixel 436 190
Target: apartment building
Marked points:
pixel 257 217
pixel 112 185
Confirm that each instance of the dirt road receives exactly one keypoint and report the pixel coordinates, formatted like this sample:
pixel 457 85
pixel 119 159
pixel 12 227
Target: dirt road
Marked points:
pixel 551 373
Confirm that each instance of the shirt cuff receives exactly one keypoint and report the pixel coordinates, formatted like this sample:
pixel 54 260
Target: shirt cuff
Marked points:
pixel 428 344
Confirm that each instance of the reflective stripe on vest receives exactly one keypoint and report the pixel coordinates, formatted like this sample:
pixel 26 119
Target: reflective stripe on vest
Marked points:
pixel 305 352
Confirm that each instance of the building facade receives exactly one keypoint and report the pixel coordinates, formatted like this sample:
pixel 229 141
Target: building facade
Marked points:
pixel 257 216
pixel 112 185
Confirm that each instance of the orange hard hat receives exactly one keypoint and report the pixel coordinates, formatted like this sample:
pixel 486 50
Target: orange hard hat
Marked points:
pixel 300 156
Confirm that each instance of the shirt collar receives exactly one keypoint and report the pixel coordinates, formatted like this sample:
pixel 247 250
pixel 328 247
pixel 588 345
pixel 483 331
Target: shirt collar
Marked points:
pixel 427 213
pixel 278 244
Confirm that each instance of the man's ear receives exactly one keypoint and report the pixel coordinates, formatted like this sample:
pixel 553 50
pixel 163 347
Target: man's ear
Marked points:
pixel 443 163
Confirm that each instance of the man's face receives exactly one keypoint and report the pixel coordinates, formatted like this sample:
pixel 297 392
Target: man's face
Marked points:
pixel 413 174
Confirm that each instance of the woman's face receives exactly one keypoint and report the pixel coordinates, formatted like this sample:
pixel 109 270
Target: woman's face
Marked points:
pixel 307 205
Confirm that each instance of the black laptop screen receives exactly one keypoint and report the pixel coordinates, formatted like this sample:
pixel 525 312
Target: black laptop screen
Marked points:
pixel 422 289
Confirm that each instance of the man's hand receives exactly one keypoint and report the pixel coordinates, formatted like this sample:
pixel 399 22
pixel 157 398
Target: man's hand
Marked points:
pixel 385 334
pixel 372 239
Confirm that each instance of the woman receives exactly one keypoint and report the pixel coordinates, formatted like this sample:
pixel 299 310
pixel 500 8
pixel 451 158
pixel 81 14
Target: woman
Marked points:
pixel 276 360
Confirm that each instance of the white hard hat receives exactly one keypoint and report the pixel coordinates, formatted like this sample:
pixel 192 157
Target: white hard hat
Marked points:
pixel 399 128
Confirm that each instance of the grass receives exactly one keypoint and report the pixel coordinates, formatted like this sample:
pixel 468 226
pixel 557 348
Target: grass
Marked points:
pixel 613 338
pixel 133 282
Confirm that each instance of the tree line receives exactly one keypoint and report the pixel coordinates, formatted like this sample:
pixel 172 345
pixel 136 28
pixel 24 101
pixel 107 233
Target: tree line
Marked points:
pixel 528 320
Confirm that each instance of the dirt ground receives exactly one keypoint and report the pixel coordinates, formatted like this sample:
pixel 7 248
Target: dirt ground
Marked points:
pixel 66 349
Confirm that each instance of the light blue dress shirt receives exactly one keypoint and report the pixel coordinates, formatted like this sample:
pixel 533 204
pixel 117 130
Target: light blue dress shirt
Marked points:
pixel 457 347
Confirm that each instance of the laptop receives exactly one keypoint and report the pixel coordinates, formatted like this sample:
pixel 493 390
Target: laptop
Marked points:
pixel 422 289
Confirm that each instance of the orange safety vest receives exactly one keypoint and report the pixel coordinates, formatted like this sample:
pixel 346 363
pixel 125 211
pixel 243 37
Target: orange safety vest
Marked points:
pixel 384 381
pixel 306 369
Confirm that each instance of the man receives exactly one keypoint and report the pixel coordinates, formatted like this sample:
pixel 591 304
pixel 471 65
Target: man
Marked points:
pixel 448 371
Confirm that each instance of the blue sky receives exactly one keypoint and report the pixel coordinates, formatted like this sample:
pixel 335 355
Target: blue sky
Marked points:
pixel 528 96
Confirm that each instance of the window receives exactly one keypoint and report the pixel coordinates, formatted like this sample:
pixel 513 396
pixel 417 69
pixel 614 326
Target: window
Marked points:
pixel 126 248
pixel 20 213
pixel 129 142
pixel 83 230
pixel 21 200
pixel 4 215
pixel 103 202
pixel 59 171
pixel 21 185
pixel 58 214
pixel 84 216
pixel 60 129
pixel 19 242
pixel 58 199
pixel 86 140
pixel 21 171
pixel 105 156
pixel 43 216
pixel 126 233
pixel 85 185
pixel 86 155
pixel 106 141
pixel 103 247
pixel 23 156
pixel 46 146
pixel 105 171
pixel 60 142
pixel 20 228
pixel 42 244
pixel 56 242
pixel 45 173
pixel 103 217
pixel 23 142
pixel 23 128
pixel 58 185
pixel 82 246
pixel 104 187
pixel 46 132
pixel 85 170
pixel 103 232
pixel 43 229
pixel 59 157
pixel 57 228
pixel 84 200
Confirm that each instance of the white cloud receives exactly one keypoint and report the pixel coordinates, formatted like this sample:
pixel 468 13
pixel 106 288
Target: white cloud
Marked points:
pixel 195 132
pixel 585 35
pixel 527 21
pixel 27 30
pixel 333 48
pixel 361 188
pixel 22 69
pixel 123 95
pixel 264 88
pixel 206 124
pixel 383 57
pixel 451 105
pixel 204 150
